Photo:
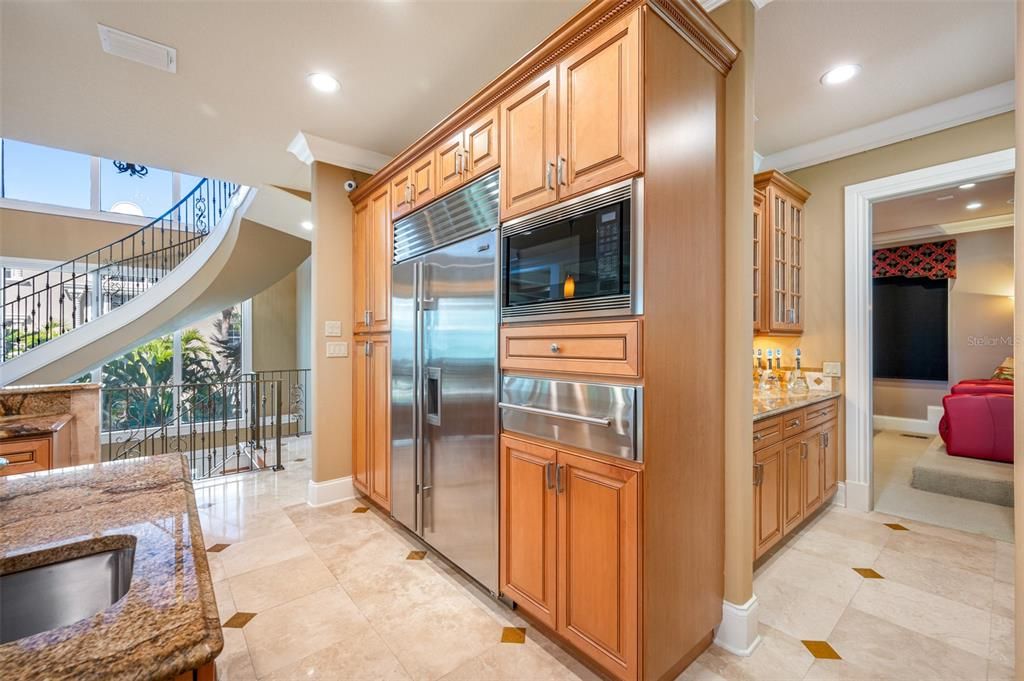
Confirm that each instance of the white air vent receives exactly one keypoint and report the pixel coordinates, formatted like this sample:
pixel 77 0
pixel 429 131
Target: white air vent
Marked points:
pixel 141 50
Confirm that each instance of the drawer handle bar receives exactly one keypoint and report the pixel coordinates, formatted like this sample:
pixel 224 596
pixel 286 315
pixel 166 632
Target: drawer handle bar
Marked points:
pixel 592 420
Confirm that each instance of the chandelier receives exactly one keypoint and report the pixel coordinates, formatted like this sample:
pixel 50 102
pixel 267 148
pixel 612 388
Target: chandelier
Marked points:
pixel 133 169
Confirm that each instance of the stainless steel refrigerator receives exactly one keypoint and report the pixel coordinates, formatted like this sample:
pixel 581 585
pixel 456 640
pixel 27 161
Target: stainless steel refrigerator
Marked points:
pixel 444 377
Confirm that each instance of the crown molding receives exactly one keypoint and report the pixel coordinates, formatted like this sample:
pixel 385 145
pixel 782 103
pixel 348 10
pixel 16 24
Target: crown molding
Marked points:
pixel 309 148
pixel 711 5
pixel 902 237
pixel 973 106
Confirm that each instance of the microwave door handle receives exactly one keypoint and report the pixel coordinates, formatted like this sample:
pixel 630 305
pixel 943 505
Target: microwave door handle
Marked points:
pixel 591 420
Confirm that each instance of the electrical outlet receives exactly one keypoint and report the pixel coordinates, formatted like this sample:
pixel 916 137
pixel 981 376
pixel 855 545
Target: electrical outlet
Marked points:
pixel 338 349
pixel 832 369
pixel 332 329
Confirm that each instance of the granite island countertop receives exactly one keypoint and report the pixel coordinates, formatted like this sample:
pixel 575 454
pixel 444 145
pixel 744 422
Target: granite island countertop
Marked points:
pixel 167 622
pixel 27 426
pixel 770 405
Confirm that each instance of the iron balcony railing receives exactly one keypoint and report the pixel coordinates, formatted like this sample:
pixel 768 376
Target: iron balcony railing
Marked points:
pixel 48 304
pixel 223 427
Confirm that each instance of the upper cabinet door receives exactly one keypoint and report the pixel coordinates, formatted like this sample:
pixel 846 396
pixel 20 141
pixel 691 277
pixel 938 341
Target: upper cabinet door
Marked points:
pixel 449 158
pixel 361 266
pixel 599 109
pixel 423 182
pixel 401 194
pixel 380 236
pixel 481 138
pixel 528 127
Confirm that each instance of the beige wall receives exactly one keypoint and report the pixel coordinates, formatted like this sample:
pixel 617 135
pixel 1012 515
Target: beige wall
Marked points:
pixel 737 20
pixel 980 324
pixel 332 300
pixel 275 326
pixel 42 236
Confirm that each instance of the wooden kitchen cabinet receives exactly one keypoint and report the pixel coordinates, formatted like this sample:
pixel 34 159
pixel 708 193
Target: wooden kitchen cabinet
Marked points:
pixel 527 527
pixel 468 154
pixel 829 450
pixel 599 109
pixel 598 348
pixel 570 547
pixel 371 262
pixel 413 187
pixel 769 497
pixel 782 249
pixel 529 144
pixel 26 455
pixel 371 427
pixel 759 299
pixel 590 137
pixel 793 485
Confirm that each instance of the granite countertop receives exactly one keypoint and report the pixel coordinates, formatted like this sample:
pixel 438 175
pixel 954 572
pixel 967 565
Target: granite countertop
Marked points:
pixel 770 405
pixel 26 426
pixel 167 623
pixel 54 388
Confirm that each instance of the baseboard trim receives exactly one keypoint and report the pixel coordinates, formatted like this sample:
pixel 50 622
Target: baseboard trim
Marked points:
pixel 858 496
pixel 839 498
pixel 737 632
pixel 330 491
pixel 928 426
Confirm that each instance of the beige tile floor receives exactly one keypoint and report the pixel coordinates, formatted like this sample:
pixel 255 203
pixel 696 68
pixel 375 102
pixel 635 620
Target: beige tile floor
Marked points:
pixel 335 597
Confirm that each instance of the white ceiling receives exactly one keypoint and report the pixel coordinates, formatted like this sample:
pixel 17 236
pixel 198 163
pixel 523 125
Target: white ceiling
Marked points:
pixel 913 53
pixel 944 206
pixel 239 96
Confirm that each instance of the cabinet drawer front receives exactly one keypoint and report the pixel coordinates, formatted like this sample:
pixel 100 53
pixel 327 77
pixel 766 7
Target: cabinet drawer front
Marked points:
pixel 606 348
pixel 767 433
pixel 820 413
pixel 793 422
pixel 25 456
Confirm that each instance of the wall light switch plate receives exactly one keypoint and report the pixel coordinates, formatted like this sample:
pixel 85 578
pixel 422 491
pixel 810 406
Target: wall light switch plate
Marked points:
pixel 332 328
pixel 338 349
pixel 832 369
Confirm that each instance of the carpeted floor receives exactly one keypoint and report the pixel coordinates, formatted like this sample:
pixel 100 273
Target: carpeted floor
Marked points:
pixel 894 457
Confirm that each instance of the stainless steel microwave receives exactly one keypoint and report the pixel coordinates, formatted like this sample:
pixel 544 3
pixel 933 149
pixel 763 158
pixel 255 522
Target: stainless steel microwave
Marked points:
pixel 579 258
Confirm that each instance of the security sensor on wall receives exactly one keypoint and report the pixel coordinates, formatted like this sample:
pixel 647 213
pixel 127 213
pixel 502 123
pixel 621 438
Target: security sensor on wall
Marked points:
pixel 350 185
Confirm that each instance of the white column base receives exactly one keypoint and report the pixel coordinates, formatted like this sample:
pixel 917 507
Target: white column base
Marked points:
pixel 738 631
pixel 839 498
pixel 330 491
pixel 858 496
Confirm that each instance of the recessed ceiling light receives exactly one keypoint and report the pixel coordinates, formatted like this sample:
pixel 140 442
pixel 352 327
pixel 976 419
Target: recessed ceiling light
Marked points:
pixel 974 205
pixel 966 186
pixel 946 197
pixel 840 74
pixel 324 82
pixel 307 225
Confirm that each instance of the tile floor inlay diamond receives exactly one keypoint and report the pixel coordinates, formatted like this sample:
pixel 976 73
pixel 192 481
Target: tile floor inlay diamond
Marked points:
pixel 513 635
pixel 239 620
pixel 217 548
pixel 821 650
pixel 868 573
pixel 360 509
pixel 896 526
pixel 416 555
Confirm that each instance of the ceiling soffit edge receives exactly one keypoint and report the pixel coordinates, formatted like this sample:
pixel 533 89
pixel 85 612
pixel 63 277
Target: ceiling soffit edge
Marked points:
pixel 901 237
pixel 966 108
pixel 309 148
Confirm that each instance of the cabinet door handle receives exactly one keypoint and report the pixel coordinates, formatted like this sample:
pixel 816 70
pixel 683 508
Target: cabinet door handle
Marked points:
pixel 794 422
pixel 551 170
pixel 559 488
pixel 410 192
pixel 803 450
pixel 758 437
pixel 758 474
pixel 561 170
pixel 554 347
pixel 368 348
pixel 548 482
pixel 367 320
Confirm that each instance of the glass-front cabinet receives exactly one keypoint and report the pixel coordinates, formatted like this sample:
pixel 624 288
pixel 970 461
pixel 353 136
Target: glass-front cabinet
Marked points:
pixel 779 254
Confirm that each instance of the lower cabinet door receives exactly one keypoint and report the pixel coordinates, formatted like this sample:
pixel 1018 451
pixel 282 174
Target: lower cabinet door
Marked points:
pixel 598 560
pixel 793 482
pixel 380 422
pixel 828 440
pixel 361 415
pixel 813 486
pixel 769 498
pixel 527 527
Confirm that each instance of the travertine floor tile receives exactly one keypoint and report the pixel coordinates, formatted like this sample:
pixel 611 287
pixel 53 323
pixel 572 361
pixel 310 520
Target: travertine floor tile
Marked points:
pixel 1004 562
pixel 798 611
pixel 362 656
pixel 1000 648
pixel 965 586
pixel 507 662
pixel 779 656
pixel 233 663
pixel 813 573
pixel 225 602
pixel 254 554
pixel 262 589
pixel 952 553
pixel 836 547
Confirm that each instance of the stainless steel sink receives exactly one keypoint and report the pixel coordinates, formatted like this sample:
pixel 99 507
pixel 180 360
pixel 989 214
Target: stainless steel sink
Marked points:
pixel 58 594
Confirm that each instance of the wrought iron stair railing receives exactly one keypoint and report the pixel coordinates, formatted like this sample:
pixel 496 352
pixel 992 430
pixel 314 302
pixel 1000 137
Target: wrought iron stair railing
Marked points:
pixel 41 307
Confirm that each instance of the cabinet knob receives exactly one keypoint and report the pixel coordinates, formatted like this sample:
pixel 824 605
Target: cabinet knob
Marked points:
pixel 554 347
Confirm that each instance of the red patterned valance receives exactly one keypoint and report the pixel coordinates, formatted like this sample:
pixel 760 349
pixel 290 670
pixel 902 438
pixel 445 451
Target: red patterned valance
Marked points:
pixel 936 260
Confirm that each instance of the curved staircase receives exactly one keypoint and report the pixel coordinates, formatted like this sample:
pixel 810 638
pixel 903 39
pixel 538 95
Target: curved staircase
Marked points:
pixel 195 259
